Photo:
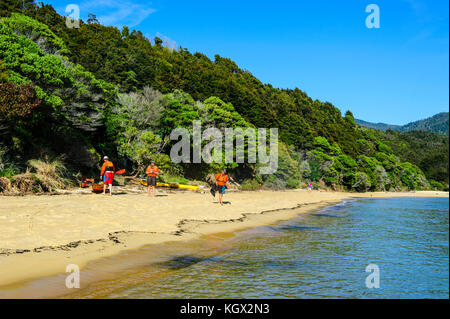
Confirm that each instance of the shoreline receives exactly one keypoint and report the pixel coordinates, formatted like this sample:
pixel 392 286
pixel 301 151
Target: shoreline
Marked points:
pixel 126 223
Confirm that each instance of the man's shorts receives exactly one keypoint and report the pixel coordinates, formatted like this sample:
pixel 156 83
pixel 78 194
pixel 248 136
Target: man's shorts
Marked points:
pixel 221 189
pixel 108 178
pixel 151 181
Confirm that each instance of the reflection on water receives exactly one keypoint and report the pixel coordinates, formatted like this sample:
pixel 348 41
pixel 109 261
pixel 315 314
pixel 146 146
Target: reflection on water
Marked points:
pixel 292 228
pixel 180 262
pixel 319 255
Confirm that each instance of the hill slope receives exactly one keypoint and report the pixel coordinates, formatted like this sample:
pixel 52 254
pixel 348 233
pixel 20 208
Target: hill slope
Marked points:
pixel 98 90
pixel 438 123
pixel 377 126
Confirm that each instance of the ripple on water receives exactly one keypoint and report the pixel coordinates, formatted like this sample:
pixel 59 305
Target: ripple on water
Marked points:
pixel 322 255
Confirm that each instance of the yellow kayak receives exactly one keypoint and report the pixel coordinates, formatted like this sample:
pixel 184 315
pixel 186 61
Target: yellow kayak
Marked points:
pixel 175 185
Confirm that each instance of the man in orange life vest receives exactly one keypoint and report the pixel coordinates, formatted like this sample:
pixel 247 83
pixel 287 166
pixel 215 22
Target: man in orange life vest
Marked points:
pixel 107 174
pixel 152 171
pixel 222 184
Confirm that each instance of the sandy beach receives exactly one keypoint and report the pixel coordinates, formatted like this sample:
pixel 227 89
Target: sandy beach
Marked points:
pixel 41 235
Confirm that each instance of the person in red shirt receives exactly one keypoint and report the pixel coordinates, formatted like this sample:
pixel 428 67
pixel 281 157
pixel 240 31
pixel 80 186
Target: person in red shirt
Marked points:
pixel 107 174
pixel 152 172
pixel 222 184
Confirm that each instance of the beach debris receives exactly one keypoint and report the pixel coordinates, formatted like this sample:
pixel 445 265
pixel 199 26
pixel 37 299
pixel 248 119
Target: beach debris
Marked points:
pixel 21 184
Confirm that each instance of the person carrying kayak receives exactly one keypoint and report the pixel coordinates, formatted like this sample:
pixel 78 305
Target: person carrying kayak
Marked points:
pixel 222 184
pixel 107 174
pixel 152 171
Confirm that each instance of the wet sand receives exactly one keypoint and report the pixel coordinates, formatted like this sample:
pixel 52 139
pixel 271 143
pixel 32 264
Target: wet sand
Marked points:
pixel 41 235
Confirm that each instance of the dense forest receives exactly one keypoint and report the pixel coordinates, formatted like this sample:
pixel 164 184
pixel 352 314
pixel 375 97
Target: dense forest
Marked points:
pixel 70 95
pixel 438 123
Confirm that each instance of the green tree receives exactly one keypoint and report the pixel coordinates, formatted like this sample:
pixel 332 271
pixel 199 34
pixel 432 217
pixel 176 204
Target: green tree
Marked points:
pixel 3 73
pixel 92 18
pixel 16 102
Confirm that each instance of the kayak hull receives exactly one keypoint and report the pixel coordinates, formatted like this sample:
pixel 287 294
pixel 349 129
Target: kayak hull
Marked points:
pixel 174 185
pixel 97 188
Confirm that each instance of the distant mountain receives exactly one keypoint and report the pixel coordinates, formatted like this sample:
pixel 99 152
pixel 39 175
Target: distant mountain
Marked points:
pixel 438 123
pixel 377 126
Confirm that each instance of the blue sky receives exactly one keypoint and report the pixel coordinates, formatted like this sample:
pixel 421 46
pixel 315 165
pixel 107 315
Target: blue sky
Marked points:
pixel 395 74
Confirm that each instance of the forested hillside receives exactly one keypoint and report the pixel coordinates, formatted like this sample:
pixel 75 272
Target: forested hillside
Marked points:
pixel 377 126
pixel 72 95
pixel 438 123
pixel 415 147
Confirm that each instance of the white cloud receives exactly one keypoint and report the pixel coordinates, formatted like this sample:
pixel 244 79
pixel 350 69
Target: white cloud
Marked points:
pixel 117 12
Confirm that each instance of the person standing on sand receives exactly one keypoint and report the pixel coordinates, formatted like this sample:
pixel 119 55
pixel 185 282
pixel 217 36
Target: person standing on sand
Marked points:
pixel 107 174
pixel 309 187
pixel 152 171
pixel 222 184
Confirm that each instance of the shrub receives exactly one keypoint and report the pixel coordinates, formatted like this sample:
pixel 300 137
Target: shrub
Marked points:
pixel 250 185
pixel 347 161
pixel 322 142
pixel 273 182
pixel 305 169
pixel 292 182
pixel 411 176
pixel 16 101
pixel 51 175
pixel 365 147
pixel 436 185
pixel 37 32
pixel 8 173
pixel 382 178
pixel 165 164
pixel 315 171
pixel 384 148
pixel 362 183
pixel 167 178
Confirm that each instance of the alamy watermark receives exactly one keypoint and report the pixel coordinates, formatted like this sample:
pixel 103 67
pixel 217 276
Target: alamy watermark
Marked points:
pixel 73 279
pixel 73 18
pixel 373 279
pixel 373 19
pixel 226 147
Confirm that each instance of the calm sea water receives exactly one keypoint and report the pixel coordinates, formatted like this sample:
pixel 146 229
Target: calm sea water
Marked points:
pixel 322 255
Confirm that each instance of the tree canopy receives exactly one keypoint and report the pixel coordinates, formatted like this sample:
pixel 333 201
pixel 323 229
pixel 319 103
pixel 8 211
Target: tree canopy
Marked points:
pixel 106 90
